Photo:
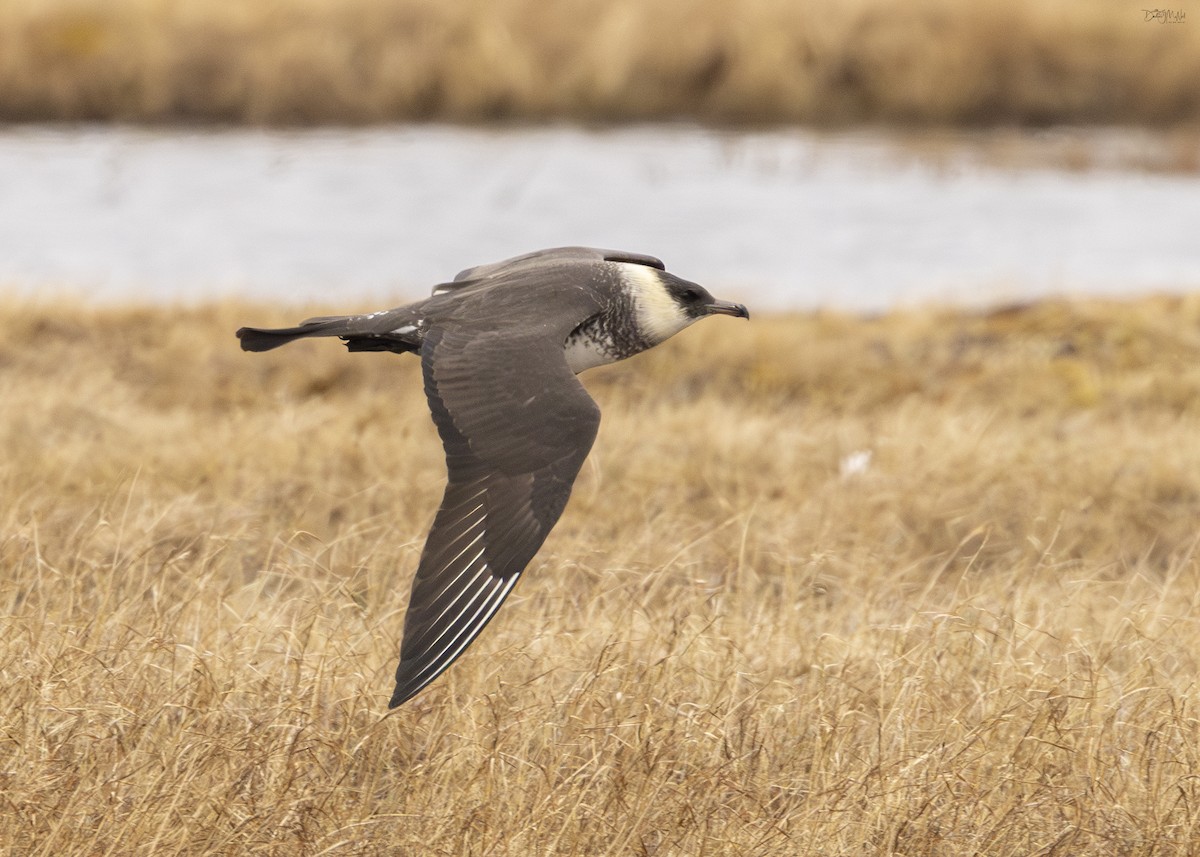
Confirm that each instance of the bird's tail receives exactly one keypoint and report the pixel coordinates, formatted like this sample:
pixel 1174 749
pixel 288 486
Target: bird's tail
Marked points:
pixel 264 339
pixel 359 332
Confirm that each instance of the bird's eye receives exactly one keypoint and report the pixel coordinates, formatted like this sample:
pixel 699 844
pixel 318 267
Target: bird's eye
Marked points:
pixel 691 295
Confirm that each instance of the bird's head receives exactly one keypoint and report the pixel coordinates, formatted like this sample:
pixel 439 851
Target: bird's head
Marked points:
pixel 666 304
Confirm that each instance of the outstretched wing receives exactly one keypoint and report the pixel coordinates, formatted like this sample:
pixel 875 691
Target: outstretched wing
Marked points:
pixel 516 426
pixel 555 255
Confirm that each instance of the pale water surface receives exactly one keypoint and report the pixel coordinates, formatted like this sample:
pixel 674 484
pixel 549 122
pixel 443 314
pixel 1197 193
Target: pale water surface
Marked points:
pixel 786 219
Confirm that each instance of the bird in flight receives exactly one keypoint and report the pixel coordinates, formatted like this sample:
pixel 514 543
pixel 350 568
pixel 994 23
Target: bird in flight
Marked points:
pixel 500 347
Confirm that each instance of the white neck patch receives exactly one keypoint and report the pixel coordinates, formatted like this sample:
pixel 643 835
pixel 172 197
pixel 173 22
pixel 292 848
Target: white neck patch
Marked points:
pixel 659 315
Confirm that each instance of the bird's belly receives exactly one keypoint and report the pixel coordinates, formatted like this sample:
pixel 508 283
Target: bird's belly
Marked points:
pixel 586 352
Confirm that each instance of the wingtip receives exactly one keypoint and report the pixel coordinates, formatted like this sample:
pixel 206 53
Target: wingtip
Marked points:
pixel 406 687
pixel 398 698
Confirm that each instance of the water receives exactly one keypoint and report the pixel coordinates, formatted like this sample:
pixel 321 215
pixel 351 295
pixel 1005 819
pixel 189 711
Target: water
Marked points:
pixel 780 220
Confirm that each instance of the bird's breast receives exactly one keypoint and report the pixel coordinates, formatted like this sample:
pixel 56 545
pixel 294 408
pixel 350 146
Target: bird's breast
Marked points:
pixel 587 348
pixel 604 338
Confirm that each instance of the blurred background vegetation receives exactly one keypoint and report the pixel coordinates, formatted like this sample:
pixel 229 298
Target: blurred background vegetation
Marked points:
pixel 721 62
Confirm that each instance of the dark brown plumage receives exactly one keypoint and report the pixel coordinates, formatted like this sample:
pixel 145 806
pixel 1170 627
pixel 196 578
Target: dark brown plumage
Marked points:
pixel 500 347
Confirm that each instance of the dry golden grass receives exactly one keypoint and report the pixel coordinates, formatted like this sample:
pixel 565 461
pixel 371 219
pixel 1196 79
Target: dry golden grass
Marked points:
pixel 986 642
pixel 353 61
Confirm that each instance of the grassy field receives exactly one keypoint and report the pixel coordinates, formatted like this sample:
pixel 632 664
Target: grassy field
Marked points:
pixel 716 61
pixel 920 584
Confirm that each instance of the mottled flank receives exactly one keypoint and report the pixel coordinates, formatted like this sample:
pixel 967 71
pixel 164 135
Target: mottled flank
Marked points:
pixel 302 62
pixel 921 584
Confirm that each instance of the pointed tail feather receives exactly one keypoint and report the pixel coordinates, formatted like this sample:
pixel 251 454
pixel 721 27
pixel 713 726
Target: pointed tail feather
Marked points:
pixel 264 339
pixel 359 332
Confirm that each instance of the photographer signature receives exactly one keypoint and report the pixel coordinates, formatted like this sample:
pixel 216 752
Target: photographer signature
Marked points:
pixel 1165 16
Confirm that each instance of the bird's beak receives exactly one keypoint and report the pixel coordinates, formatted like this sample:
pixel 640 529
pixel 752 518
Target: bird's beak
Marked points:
pixel 728 308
